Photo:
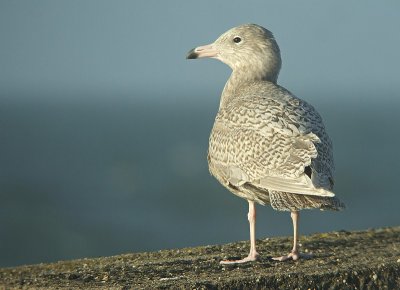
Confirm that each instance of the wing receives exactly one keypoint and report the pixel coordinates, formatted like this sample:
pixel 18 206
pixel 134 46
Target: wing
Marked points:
pixel 268 142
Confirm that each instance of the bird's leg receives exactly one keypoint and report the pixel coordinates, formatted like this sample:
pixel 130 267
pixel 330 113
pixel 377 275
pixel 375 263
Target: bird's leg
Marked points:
pixel 251 216
pixel 294 254
pixel 253 255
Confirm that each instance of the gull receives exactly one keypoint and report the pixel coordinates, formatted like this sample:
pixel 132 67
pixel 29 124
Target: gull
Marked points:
pixel 266 145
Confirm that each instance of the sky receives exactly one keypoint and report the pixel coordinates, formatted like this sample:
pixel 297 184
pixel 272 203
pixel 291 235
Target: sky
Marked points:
pixel 140 46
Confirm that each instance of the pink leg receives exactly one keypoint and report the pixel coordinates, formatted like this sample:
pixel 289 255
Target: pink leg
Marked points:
pixel 294 254
pixel 253 255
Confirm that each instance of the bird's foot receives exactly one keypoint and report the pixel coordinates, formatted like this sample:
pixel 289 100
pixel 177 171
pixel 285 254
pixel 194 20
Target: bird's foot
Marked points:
pixel 250 258
pixel 294 255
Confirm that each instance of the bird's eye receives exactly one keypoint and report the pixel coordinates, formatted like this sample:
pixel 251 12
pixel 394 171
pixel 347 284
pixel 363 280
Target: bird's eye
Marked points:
pixel 237 39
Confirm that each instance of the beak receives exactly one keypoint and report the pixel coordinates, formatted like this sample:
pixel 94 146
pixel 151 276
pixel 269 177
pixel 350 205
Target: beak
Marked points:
pixel 203 51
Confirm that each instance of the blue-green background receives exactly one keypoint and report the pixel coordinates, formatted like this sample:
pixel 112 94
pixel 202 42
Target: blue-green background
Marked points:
pixel 104 125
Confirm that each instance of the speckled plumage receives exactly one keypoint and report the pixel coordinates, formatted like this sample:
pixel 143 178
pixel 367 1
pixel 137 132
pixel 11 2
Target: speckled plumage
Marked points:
pixel 265 132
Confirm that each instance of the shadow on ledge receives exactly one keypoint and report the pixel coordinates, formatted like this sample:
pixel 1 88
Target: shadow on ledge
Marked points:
pixel 341 260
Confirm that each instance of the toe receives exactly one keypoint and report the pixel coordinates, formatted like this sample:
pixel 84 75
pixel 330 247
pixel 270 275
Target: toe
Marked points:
pixel 250 258
pixel 281 258
pixel 293 256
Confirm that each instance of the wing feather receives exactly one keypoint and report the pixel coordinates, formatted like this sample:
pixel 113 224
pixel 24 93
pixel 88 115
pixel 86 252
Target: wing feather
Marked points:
pixel 268 142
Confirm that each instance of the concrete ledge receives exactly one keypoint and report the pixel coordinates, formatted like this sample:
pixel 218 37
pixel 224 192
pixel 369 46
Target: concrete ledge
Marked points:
pixel 342 260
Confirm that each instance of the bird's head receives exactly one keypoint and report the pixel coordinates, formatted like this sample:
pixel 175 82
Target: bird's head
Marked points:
pixel 249 49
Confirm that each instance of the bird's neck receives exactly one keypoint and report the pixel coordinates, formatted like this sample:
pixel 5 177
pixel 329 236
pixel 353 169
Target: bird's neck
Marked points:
pixel 241 78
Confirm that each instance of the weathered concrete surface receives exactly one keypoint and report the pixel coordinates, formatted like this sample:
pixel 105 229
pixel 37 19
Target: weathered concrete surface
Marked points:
pixel 342 260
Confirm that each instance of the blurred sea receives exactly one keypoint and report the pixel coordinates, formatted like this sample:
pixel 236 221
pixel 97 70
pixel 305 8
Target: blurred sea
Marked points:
pixel 87 176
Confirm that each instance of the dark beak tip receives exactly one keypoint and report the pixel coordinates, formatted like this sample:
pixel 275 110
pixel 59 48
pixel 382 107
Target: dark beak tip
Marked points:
pixel 192 54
